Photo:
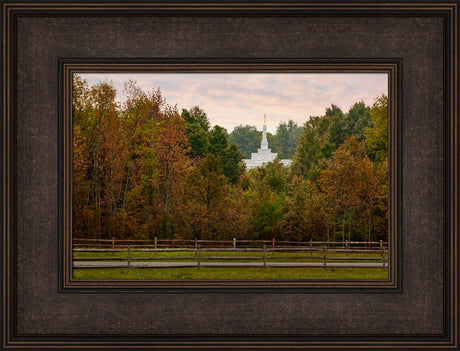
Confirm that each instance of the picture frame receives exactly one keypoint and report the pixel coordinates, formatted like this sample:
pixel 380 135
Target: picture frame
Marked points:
pixel 43 308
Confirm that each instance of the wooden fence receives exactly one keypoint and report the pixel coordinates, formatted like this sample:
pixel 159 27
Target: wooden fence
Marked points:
pixel 303 254
pixel 179 243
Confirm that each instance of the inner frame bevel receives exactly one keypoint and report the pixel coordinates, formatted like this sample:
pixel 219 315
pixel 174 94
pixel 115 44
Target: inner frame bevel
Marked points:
pixel 68 67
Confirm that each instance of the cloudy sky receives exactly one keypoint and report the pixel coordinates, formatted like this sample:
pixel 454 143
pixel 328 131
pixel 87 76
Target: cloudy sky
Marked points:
pixel 230 99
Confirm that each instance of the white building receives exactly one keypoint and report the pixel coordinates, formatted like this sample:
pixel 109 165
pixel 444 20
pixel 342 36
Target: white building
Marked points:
pixel 264 154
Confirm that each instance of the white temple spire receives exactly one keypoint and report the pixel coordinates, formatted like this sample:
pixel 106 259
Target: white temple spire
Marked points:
pixel 264 143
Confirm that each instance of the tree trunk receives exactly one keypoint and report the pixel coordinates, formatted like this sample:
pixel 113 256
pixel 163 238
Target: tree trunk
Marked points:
pixel 369 227
pixel 349 228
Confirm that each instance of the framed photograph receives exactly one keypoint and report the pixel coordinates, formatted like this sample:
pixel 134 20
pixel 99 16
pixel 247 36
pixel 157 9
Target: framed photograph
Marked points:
pixel 253 175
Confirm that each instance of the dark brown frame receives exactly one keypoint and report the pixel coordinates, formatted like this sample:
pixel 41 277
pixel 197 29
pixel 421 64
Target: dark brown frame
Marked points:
pixel 44 42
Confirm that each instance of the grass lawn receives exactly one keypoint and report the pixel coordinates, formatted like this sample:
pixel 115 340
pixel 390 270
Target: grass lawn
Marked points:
pixel 230 273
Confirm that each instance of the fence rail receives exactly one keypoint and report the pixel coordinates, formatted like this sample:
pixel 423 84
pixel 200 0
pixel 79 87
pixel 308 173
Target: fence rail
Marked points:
pixel 269 255
pixel 156 243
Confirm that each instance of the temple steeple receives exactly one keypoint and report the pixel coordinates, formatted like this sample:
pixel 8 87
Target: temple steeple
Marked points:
pixel 264 154
pixel 264 143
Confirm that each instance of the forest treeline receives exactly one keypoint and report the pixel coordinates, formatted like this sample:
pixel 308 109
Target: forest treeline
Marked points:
pixel 143 169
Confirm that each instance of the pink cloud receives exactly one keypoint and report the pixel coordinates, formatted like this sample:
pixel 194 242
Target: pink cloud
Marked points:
pixel 243 98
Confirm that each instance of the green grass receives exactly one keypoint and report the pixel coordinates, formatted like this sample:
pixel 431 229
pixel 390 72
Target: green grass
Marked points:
pixel 230 273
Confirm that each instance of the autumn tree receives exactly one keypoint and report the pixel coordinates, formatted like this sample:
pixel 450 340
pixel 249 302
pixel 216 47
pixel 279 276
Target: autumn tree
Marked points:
pixel 380 209
pixel 170 147
pixel 140 208
pixel 210 209
pixel 351 187
pixel 265 194
pixel 81 186
pixel 306 216
pixel 83 209
pixel 96 127
pixel 111 156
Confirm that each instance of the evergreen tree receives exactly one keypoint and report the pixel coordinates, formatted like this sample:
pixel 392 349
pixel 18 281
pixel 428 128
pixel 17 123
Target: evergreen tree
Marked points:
pixel 197 127
pixel 232 165
pixel 218 141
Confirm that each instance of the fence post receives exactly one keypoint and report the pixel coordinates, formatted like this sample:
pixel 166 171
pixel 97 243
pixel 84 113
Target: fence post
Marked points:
pixel 381 248
pixel 273 246
pixel 196 246
pixel 265 256
pixel 113 246
pixel 129 257
pixel 198 263
pixel 383 261
pixel 234 245
pixel 346 247
pixel 325 256
pixel 311 247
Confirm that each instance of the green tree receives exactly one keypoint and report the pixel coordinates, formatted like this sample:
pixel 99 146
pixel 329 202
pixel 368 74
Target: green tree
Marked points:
pixel 336 132
pixel 284 142
pixel 198 140
pixel 197 127
pixel 247 138
pixel 232 165
pixel 196 115
pixel 322 135
pixel 376 137
pixel 311 150
pixel 218 141
pixel 357 120
pixel 276 177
